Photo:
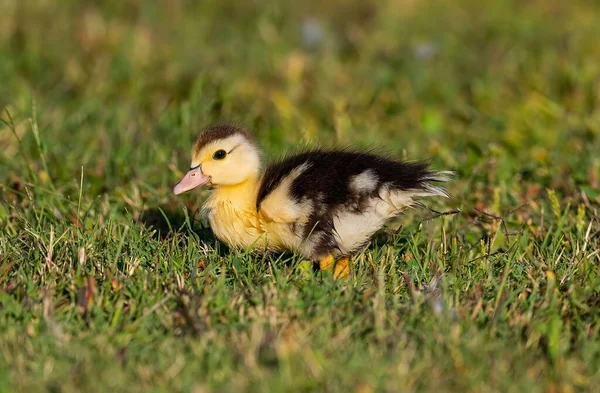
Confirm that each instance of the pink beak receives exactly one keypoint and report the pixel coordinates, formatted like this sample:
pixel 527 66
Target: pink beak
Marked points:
pixel 194 178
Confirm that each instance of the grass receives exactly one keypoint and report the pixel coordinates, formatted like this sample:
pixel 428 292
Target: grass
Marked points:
pixel 108 282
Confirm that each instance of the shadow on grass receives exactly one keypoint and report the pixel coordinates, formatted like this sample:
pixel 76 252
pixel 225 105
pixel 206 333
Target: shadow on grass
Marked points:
pixel 167 221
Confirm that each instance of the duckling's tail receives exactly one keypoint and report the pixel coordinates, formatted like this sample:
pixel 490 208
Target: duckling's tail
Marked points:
pixel 428 186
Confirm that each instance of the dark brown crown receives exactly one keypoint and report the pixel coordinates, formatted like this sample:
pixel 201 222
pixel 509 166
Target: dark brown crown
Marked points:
pixel 219 131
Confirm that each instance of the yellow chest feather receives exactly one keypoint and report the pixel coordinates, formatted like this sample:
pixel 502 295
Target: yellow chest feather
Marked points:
pixel 235 220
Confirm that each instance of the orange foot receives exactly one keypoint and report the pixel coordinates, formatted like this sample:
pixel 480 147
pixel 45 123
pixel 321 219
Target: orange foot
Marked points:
pixel 340 268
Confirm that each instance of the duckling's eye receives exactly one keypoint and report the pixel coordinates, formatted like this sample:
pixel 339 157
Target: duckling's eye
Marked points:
pixel 219 154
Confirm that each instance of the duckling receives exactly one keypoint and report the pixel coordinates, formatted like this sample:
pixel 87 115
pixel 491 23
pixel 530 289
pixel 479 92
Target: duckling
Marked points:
pixel 322 204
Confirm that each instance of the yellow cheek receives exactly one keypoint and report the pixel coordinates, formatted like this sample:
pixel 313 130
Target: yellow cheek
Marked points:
pixel 218 170
pixel 208 167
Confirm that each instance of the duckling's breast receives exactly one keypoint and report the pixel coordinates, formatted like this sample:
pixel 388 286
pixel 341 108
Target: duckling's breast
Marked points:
pixel 249 230
pixel 241 226
pixel 235 227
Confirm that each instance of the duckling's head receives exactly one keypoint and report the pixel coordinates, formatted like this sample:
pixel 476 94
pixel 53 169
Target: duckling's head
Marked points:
pixel 223 155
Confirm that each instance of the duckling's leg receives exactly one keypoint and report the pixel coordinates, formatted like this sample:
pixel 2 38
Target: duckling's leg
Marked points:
pixel 326 246
pixel 327 262
pixel 340 268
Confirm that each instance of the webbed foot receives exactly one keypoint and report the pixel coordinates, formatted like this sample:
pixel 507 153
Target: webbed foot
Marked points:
pixel 340 267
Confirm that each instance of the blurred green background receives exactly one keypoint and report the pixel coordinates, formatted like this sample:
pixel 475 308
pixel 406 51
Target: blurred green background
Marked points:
pixel 101 285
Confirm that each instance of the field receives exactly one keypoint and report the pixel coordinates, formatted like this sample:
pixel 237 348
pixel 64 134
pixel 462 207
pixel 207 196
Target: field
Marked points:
pixel 110 283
